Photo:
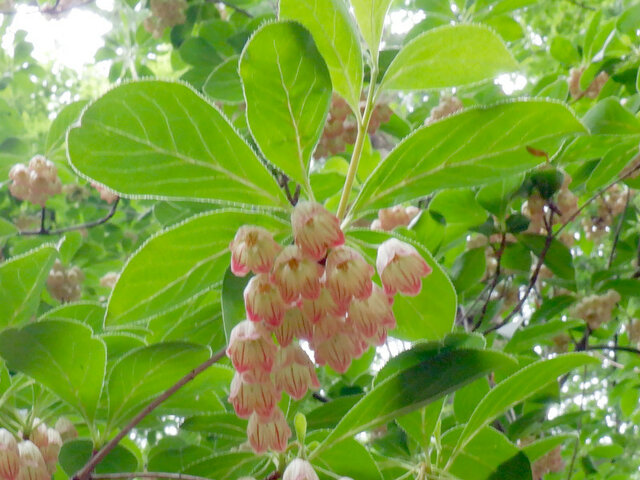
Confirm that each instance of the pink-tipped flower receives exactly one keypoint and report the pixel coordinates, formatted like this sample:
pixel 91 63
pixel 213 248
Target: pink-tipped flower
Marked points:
pixel 251 349
pixel 296 275
pixel 299 469
pixel 348 275
pixel 252 250
pixel 268 433
pixel 329 326
pixel 51 451
pixel 337 351
pixel 66 429
pixel 401 268
pixel 294 325
pixel 315 229
pixel 315 310
pixel 247 397
pixel 295 372
pixel 9 456
pixel 32 466
pixel 263 301
pixel 379 338
pixel 367 316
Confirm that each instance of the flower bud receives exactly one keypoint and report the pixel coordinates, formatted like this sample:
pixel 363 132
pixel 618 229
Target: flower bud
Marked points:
pixel 263 301
pixel 268 433
pixel 105 194
pixel 66 429
pixel 296 275
pixel 299 469
pixel 367 316
pixel 315 229
pixel 295 372
pixel 9 456
pixel 251 349
pixel 294 324
pixel 401 267
pixel 348 275
pixel 32 466
pixel 252 250
pixel 247 397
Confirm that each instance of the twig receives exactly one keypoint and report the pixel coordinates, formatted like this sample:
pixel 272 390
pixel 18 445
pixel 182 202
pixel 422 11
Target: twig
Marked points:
pixel 85 472
pixel 614 348
pixel 117 476
pixel 616 237
pixel 43 214
pixel 494 283
pixel 95 223
pixel 577 444
pixel 235 7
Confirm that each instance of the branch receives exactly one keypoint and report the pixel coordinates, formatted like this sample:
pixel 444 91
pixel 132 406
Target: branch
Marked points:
pixel 615 348
pixel 95 223
pixel 616 237
pixel 233 7
pixel 124 475
pixel 494 283
pixel 85 472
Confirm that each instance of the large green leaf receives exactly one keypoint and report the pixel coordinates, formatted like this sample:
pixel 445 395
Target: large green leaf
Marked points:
pixel 414 387
pixel 61 355
pixel 349 458
pixel 58 130
pixel 163 140
pixel 370 15
pixel 288 90
pixel 520 386
pixel 336 36
pixel 449 56
pixel 141 375
pixel 76 453
pixel 23 279
pixel 477 146
pixel 558 257
pixel 225 466
pixel 179 264
pixel 430 314
pixel 89 313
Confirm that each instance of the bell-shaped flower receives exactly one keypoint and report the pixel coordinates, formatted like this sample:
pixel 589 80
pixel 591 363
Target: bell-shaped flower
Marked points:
pixel 337 352
pixel 294 372
pixel 327 327
pixel 296 275
pixel 368 315
pixel 268 433
pixel 66 429
pixel 252 250
pixel 51 451
pixel 315 229
pixel 348 275
pixel 299 469
pixel 32 466
pixel 263 301
pixel 9 456
pixel 316 309
pixel 251 349
pixel 248 397
pixel 294 325
pixel 401 268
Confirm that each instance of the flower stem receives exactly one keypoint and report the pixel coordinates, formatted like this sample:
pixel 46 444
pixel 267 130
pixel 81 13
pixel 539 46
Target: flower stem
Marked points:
pixel 363 126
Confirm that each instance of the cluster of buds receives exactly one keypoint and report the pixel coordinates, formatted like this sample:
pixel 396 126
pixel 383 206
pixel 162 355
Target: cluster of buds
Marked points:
pixel 105 194
pixel 109 279
pixel 36 182
pixel 596 309
pixel 317 290
pixel 611 204
pixel 165 14
pixel 447 107
pixel 561 343
pixel 566 203
pixel 398 216
pixel 550 463
pixel 35 457
pixel 592 91
pixel 634 331
pixel 75 193
pixel 64 284
pixel 341 128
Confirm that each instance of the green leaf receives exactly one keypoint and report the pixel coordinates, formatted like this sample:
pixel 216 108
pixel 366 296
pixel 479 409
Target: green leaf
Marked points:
pixel 449 56
pixel 412 388
pixel 337 40
pixel 329 414
pixel 430 314
pixel 7 230
pixel 541 447
pixel 58 130
pixel 226 425
pixel 610 118
pixel 517 388
pixel 225 466
pixel 558 257
pixel 91 314
pixel 288 90
pixel 527 338
pixel 76 453
pixel 172 454
pixel 370 15
pixel 349 458
pixel 61 355
pixel 564 51
pixel 23 279
pixel 468 269
pixel 517 467
pixel 474 147
pixel 163 140
pixel 613 162
pixel 233 311
pixel 141 375
pixel 179 264
pixel 223 83
pixel 495 197
pixel 467 398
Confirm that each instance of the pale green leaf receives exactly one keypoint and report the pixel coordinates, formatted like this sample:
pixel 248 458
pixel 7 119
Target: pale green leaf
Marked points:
pixel 449 56
pixel 163 140
pixel 223 83
pixel 337 40
pixel 370 15
pixel 288 90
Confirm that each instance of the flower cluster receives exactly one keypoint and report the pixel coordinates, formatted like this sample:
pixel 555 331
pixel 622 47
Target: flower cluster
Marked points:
pixel 596 309
pixel 165 14
pixel 550 463
pixel 566 203
pixel 398 216
pixel 35 457
pixel 447 107
pixel 317 290
pixel 592 91
pixel 64 284
pixel 611 204
pixel 341 128
pixel 105 194
pixel 36 182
